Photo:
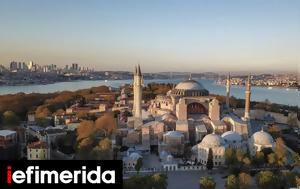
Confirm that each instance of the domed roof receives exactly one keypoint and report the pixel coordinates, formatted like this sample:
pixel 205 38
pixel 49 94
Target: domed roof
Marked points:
pixel 232 136
pixel 169 117
pixel 262 138
pixel 175 134
pixel 135 156
pixel 212 140
pixel 189 85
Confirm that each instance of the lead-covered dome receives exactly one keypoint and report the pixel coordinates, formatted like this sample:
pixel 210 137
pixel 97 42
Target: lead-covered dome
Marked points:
pixel 212 140
pixel 262 138
pixel 232 136
pixel 189 85
pixel 189 88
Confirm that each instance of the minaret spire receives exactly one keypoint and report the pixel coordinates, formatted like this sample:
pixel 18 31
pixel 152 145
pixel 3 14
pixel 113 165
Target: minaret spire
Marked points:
pixel 137 97
pixel 247 98
pixel 228 85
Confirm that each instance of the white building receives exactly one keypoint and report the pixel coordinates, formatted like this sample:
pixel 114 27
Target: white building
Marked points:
pixel 216 144
pixel 233 139
pixel 259 141
pixel 130 160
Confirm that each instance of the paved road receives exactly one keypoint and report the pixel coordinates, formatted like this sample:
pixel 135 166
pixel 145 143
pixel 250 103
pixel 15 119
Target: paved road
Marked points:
pixel 190 179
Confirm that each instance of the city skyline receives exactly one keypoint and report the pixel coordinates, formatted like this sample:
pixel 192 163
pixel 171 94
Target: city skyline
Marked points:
pixel 193 36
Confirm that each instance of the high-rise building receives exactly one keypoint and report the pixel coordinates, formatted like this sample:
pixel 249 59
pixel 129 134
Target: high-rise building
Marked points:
pixel 137 97
pixel 74 66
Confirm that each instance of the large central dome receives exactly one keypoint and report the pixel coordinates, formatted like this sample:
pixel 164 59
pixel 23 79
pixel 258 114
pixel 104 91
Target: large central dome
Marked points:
pixel 189 85
pixel 189 88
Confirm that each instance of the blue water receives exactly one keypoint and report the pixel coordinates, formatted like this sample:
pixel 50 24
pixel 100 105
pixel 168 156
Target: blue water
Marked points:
pixel 275 95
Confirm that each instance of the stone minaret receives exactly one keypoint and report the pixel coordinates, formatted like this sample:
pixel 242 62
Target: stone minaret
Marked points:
pixel 247 98
pixel 228 85
pixel 137 97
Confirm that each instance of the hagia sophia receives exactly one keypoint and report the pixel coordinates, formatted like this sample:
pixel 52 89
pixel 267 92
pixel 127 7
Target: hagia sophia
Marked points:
pixel 189 115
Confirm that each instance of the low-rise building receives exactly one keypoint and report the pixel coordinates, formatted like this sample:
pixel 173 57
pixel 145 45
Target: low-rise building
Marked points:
pixel 38 151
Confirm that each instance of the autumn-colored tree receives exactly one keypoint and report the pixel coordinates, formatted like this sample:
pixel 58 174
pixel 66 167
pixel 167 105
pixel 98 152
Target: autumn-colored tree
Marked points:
pixel 245 180
pixel 272 159
pixel 42 112
pixel 280 152
pixel 106 122
pixel 85 129
pixel 230 156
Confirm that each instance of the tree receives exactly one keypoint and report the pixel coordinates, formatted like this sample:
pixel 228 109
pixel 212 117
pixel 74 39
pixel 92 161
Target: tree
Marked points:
pixel 272 159
pixel 230 157
pixel 42 111
pixel 232 182
pixel 267 180
pixel 280 152
pixel 298 181
pixel 247 161
pixel 207 183
pixel 245 181
pixel 159 181
pixel 138 165
pixel 296 159
pixel 103 151
pixel 210 161
pixel 258 159
pixel 290 179
pixel 85 129
pixel 106 122
pixel 10 118
pixel 240 155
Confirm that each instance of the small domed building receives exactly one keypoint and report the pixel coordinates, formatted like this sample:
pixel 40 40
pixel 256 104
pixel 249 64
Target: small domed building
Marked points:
pixel 218 146
pixel 233 139
pixel 259 141
pixel 130 160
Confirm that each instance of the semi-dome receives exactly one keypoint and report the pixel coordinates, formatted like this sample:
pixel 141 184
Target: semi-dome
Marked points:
pixel 169 117
pixel 189 87
pixel 262 138
pixel 232 136
pixel 175 134
pixel 212 140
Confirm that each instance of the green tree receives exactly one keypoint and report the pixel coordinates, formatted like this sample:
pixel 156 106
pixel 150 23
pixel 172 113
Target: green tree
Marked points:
pixel 210 160
pixel 138 165
pixel 245 181
pixel 272 159
pixel 207 183
pixel 232 182
pixel 10 118
pixel 267 180
pixel 159 181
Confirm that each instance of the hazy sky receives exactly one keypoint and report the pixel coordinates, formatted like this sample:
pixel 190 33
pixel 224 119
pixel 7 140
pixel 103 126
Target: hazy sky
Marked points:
pixel 163 35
